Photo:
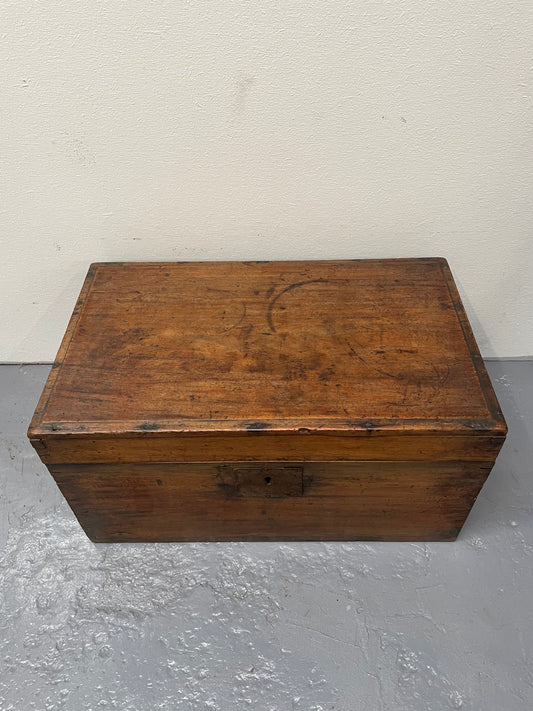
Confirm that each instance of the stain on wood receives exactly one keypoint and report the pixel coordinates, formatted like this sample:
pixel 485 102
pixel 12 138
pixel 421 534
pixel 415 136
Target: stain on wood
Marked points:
pixel 173 370
pixel 264 480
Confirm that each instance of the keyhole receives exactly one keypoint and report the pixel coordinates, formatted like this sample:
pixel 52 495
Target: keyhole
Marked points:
pixel 268 480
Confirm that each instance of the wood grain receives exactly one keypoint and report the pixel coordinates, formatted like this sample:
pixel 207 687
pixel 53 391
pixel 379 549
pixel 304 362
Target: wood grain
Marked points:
pixel 327 400
pixel 342 346
pixel 348 501
pixel 309 447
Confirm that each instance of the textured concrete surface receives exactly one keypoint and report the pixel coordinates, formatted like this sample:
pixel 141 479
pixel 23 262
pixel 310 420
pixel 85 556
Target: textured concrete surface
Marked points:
pixel 310 627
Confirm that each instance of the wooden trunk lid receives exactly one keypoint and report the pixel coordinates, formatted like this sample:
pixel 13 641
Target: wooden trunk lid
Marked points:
pixel 236 361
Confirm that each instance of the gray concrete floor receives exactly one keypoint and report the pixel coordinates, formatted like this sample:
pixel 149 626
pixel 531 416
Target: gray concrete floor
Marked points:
pixel 348 626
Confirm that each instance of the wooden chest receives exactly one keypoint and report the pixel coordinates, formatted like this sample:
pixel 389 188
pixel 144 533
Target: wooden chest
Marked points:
pixel 319 400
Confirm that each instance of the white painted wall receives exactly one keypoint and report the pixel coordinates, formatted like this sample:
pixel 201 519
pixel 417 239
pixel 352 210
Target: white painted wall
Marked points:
pixel 166 129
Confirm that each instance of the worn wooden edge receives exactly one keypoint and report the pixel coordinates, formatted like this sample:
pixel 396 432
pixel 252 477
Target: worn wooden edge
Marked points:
pixel 251 262
pixel 447 537
pixel 338 427
pixel 493 405
pixel 484 465
pixel 36 424
pixel 40 431
pixel 273 448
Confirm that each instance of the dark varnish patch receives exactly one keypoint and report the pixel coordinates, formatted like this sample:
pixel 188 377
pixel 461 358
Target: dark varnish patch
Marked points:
pixel 149 426
pixel 325 375
pixel 478 425
pixel 369 426
pixel 257 427
pixel 365 424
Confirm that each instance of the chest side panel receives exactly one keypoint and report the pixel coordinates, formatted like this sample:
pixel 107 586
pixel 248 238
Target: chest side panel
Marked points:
pixel 233 501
